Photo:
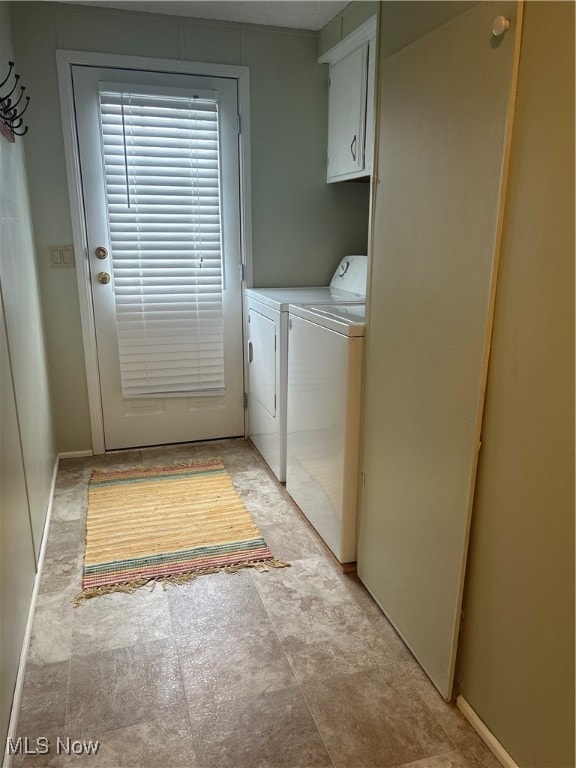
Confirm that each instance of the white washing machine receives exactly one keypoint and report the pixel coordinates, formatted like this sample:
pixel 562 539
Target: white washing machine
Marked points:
pixel 325 352
pixel 266 342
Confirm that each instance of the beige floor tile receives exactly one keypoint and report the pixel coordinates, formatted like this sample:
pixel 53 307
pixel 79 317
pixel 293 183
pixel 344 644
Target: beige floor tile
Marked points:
pixel 374 719
pixel 222 665
pixel 118 620
pixel 375 615
pixel 113 460
pixel 289 540
pixel 238 455
pixel 479 756
pixel 71 490
pixel 264 498
pixel 273 730
pixel 448 760
pixel 347 646
pixel 450 718
pixel 322 629
pixel 156 744
pixel 229 601
pixel 170 454
pixel 70 506
pixel 44 699
pixel 51 637
pixel 62 563
pixel 124 687
pixel 289 593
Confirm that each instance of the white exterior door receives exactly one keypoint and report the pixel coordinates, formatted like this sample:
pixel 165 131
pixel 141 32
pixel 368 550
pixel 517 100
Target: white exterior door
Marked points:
pixel 160 182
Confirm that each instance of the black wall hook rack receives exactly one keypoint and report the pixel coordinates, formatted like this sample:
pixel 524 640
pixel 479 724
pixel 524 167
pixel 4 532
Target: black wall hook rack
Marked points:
pixel 12 105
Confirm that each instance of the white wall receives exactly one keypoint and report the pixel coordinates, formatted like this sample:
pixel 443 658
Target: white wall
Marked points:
pixel 301 225
pixel 27 451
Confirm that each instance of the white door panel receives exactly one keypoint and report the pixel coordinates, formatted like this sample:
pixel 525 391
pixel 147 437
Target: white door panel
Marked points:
pixel 442 158
pixel 155 416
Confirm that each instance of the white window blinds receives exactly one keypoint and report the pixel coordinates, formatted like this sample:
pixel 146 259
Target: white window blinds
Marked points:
pixel 162 175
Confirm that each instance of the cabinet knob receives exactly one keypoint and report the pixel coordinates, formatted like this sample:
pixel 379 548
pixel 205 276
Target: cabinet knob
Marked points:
pixel 501 24
pixel 104 277
pixel 101 253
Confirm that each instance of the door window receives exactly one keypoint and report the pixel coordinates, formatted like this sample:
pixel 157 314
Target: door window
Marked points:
pixel 162 181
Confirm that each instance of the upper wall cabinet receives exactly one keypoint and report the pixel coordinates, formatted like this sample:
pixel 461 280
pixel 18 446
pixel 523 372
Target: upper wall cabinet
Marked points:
pixel 351 103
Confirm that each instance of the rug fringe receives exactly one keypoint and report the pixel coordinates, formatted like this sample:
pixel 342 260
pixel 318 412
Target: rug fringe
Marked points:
pixel 179 464
pixel 178 578
pixel 196 462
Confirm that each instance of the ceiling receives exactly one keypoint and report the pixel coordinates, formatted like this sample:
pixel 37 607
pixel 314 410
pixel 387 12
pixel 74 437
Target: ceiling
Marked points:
pixel 301 14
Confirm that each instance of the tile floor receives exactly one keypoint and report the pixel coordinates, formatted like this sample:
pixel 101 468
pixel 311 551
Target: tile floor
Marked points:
pixel 291 668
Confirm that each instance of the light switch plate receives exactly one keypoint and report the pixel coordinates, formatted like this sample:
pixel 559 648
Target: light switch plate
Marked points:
pixel 62 256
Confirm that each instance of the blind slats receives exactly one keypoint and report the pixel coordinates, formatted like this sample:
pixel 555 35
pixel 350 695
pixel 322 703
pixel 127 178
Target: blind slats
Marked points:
pixel 162 174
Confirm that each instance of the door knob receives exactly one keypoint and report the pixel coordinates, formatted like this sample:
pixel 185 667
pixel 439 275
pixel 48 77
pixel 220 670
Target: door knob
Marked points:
pixel 101 253
pixel 104 277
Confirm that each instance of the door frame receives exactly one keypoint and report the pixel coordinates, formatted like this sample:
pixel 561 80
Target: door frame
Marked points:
pixel 65 60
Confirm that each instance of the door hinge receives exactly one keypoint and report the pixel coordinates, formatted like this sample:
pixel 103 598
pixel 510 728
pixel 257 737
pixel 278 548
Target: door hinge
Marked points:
pixel 239 124
pixel 242 271
pixel 245 399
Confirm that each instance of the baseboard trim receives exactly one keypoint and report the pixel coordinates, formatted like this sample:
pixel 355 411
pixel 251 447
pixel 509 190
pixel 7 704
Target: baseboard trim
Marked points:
pixel 485 733
pixel 16 700
pixel 75 454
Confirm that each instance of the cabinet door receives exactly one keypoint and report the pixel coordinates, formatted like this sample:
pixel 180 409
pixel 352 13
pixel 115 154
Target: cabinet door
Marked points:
pixel 347 113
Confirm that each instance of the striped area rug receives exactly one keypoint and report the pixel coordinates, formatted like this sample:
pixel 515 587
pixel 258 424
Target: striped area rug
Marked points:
pixel 166 524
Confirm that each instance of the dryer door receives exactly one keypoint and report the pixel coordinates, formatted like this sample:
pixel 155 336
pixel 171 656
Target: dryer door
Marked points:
pixel 262 360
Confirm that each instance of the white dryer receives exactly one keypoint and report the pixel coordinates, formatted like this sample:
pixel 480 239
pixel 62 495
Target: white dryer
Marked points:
pixel 325 352
pixel 266 341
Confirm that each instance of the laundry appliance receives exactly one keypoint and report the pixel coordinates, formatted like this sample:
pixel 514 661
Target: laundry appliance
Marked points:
pixel 266 337
pixel 325 353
